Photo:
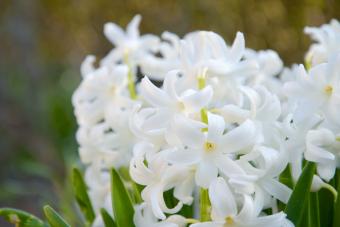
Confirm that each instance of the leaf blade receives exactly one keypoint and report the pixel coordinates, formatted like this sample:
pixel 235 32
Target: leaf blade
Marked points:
pixel 82 197
pixel 296 204
pixel 21 218
pixel 121 202
pixel 336 216
pixel 107 219
pixel 53 218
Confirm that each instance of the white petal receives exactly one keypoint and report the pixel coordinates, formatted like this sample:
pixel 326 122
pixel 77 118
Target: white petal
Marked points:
pixel 189 132
pixel 227 166
pixel 208 224
pixel 132 28
pixel 277 189
pixel 234 114
pixel 169 84
pixel 216 126
pixel 184 190
pixel 87 66
pixel 153 194
pixel 247 211
pixel 186 157
pixel 153 95
pixel 114 33
pixel 277 219
pixel 326 171
pixel 206 172
pixel 315 139
pixel 237 49
pixel 197 100
pixel 240 137
pixel 222 199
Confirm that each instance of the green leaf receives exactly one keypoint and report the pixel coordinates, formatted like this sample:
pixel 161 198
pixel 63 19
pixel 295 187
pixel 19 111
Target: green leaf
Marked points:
pixel 133 189
pixel 314 210
pixel 83 200
pixel 53 218
pixel 121 202
pixel 297 201
pixel 108 220
pixel 21 218
pixel 326 207
pixel 336 214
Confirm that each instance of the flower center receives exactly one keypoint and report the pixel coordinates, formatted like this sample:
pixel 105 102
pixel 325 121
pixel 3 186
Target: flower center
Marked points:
pixel 181 106
pixel 328 89
pixel 229 221
pixel 209 146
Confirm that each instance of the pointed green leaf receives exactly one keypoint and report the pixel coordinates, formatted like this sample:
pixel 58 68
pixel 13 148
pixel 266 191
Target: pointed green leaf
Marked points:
pixel 297 201
pixel 108 220
pixel 326 207
pixel 121 202
pixel 314 209
pixel 53 218
pixel 336 214
pixel 83 199
pixel 21 218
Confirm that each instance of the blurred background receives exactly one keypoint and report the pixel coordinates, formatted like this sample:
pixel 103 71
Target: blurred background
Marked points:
pixel 42 44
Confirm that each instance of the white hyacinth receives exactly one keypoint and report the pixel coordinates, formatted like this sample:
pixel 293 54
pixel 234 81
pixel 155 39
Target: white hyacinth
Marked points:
pixel 225 122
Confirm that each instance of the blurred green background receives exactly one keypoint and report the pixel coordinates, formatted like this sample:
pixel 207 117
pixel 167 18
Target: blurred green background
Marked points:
pixel 42 43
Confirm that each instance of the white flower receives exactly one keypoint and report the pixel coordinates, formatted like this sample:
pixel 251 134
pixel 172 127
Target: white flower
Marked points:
pixel 212 151
pixel 99 190
pixel 269 64
pixel 98 90
pixel 225 211
pixel 130 47
pixel 156 67
pixel 327 37
pixel 159 177
pixel 317 91
pixel 144 217
pixel 208 50
pixel 266 164
pixel 109 142
pixel 188 101
pixel 323 148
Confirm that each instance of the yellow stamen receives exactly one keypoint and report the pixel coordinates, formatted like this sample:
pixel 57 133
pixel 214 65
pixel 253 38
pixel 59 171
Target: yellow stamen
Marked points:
pixel 229 220
pixel 181 106
pixel 328 89
pixel 209 146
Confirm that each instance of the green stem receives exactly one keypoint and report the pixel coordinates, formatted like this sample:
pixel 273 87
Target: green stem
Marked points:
pixel 201 85
pixel 131 84
pixel 204 205
pixel 131 81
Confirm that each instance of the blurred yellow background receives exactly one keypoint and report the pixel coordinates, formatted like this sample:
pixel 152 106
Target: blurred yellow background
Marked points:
pixel 42 43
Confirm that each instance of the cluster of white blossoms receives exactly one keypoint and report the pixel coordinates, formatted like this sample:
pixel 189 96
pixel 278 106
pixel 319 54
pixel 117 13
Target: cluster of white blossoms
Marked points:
pixel 210 123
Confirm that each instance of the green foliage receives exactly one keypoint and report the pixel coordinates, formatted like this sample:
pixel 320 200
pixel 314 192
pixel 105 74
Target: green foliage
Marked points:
pixel 336 215
pixel 297 202
pixel 21 218
pixel 121 202
pixel 80 192
pixel 53 218
pixel 108 220
pixel 314 210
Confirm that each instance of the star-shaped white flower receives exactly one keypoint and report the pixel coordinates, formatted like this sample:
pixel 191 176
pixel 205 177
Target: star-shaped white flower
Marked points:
pixel 210 151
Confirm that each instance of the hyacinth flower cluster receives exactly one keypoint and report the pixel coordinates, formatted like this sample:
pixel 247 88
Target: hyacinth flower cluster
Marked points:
pixel 208 134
